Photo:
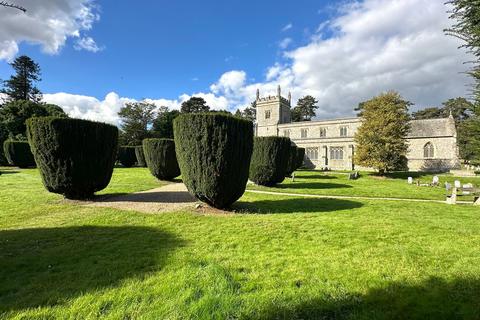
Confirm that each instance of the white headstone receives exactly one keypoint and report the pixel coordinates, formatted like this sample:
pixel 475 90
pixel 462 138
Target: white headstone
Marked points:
pixel 458 184
pixel 410 180
pixel 436 180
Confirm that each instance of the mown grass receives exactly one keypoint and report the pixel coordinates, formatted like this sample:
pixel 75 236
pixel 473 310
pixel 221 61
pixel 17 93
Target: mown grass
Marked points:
pixel 369 185
pixel 281 258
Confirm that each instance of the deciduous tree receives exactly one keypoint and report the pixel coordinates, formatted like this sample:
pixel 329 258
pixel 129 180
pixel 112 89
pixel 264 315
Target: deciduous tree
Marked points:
pixel 163 124
pixel 194 104
pixel 381 138
pixel 14 114
pixel 136 119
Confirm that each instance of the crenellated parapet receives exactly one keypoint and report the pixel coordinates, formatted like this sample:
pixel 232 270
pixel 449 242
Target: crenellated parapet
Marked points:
pixel 272 99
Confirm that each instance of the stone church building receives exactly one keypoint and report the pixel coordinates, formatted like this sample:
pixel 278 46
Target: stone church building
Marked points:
pixel 330 143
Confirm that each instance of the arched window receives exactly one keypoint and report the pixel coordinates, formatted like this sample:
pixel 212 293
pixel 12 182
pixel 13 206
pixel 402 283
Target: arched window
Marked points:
pixel 428 150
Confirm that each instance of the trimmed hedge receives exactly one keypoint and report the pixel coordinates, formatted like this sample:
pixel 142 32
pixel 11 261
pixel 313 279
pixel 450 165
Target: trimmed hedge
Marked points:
pixel 76 157
pixel 161 158
pixel 269 160
pixel 292 161
pixel 18 154
pixel 214 151
pixel 127 156
pixel 140 156
pixel 300 157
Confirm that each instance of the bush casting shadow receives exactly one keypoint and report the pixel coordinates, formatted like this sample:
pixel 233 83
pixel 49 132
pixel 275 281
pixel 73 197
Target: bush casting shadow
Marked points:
pixel 160 197
pixel 297 205
pixel 434 298
pixel 40 267
pixel 311 185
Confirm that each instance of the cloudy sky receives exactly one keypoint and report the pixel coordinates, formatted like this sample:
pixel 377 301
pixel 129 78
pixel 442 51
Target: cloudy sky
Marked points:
pixel 97 55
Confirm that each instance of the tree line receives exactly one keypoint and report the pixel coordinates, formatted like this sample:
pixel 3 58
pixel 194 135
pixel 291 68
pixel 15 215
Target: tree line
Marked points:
pixel 22 100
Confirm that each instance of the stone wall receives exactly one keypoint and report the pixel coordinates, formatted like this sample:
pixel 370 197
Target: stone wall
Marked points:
pixel 338 134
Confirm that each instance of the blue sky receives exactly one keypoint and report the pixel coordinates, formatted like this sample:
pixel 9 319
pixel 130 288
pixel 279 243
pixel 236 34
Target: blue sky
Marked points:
pixel 166 48
pixel 97 55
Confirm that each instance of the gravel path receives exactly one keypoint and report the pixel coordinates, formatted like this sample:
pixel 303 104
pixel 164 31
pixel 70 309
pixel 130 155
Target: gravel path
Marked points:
pixel 171 197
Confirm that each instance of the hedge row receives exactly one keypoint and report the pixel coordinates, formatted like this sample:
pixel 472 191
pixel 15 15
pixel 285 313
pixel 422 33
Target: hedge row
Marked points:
pixel 18 154
pixel 161 158
pixel 214 151
pixel 75 157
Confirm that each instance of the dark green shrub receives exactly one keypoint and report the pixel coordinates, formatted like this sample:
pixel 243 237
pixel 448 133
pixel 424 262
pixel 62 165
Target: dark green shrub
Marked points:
pixel 273 153
pixel 18 153
pixel 75 157
pixel 292 161
pixel 3 137
pixel 126 156
pixel 161 158
pixel 300 157
pixel 214 151
pixel 140 157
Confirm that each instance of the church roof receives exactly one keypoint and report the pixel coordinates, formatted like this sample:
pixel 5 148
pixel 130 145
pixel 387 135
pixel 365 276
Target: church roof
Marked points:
pixel 432 128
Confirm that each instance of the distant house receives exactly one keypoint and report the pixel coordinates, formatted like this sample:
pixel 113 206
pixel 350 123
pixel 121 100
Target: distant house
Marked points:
pixel 330 143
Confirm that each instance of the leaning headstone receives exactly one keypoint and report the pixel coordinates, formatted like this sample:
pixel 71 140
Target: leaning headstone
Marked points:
pixel 410 180
pixel 448 186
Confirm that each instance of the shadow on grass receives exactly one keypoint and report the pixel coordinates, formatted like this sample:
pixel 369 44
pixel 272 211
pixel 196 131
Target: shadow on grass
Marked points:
pixel 433 299
pixel 404 175
pixel 296 205
pixel 8 172
pixel 314 176
pixel 311 185
pixel 160 197
pixel 46 267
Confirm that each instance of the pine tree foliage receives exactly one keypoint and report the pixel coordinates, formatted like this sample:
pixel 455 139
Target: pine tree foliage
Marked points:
pixel 305 109
pixel 21 86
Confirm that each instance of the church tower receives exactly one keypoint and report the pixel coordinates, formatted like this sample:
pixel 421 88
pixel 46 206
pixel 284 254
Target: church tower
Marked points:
pixel 272 111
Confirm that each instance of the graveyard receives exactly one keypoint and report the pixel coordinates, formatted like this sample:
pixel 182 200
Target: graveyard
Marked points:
pixel 271 256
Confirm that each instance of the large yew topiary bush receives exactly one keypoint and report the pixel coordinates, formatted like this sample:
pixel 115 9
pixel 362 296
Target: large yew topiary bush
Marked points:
pixel 214 151
pixel 140 156
pixel 75 157
pixel 161 158
pixel 292 161
pixel 18 154
pixel 300 157
pixel 127 156
pixel 269 160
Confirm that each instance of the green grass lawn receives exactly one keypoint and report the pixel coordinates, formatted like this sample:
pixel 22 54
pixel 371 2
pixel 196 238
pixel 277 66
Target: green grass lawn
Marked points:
pixel 369 185
pixel 281 257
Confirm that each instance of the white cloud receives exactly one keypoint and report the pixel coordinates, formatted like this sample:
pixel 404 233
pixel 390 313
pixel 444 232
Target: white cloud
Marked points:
pixel 46 23
pixel 287 27
pixel 88 44
pixel 377 45
pixel 85 107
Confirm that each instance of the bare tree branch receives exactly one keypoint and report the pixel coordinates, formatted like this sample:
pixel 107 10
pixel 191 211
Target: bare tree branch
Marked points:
pixel 11 5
